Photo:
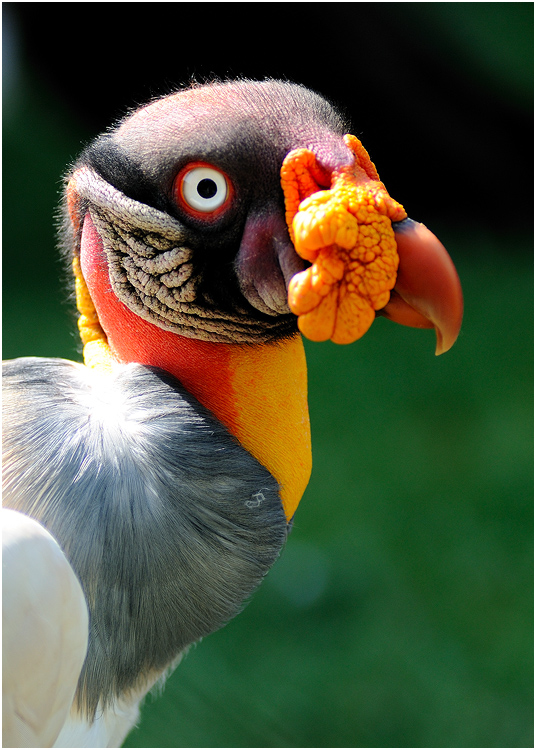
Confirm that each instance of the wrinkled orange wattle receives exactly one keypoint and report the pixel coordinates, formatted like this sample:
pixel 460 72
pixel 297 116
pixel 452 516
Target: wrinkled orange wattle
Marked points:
pixel 341 224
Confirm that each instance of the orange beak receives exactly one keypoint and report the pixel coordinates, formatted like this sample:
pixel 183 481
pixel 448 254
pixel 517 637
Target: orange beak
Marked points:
pixel 427 293
pixel 367 258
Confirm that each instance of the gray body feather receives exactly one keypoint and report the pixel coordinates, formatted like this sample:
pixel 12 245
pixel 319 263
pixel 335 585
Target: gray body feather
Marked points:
pixel 167 521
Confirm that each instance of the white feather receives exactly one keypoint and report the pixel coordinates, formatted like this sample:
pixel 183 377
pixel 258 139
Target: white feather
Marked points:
pixel 45 631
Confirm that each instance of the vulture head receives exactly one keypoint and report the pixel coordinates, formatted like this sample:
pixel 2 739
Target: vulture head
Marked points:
pixel 210 226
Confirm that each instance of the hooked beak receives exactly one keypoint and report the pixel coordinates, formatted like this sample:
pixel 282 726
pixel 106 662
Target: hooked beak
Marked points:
pixel 427 293
pixel 367 258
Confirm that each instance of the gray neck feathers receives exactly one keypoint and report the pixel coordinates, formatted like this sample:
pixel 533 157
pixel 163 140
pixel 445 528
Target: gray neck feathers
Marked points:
pixel 168 522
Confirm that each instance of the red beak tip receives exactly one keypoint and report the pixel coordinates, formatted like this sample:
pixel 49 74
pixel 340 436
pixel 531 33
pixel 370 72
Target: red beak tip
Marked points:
pixel 428 283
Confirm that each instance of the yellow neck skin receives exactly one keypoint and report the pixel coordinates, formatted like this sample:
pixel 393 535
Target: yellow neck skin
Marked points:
pixel 270 385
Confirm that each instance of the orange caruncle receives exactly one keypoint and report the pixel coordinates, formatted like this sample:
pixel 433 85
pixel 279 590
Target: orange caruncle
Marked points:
pixel 345 232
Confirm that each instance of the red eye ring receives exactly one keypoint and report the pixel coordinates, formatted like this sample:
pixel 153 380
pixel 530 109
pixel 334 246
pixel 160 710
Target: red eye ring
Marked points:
pixel 203 191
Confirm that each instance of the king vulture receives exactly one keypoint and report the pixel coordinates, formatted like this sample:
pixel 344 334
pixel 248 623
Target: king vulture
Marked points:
pixel 150 489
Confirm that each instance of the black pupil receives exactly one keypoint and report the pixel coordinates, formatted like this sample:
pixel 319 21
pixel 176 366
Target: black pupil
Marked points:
pixel 207 188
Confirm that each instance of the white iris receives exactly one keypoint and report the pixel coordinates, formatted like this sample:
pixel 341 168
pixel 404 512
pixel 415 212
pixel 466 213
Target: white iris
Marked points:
pixel 204 189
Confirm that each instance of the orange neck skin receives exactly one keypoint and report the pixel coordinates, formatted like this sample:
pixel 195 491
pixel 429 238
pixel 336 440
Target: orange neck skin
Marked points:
pixel 259 392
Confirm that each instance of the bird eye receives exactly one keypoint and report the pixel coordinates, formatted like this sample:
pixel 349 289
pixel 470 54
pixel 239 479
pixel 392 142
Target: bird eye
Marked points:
pixel 202 189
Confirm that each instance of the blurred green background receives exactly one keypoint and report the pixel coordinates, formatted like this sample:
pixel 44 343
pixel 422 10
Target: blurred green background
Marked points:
pixel 400 612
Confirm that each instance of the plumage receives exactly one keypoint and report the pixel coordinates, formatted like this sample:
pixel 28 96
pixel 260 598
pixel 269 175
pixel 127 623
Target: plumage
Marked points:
pixel 131 499
pixel 169 466
pixel 43 604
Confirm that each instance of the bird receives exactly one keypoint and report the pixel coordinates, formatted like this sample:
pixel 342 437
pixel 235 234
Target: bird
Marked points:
pixel 148 490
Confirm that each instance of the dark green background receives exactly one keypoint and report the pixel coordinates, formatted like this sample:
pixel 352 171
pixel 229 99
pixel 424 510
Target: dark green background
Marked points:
pixel 400 613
